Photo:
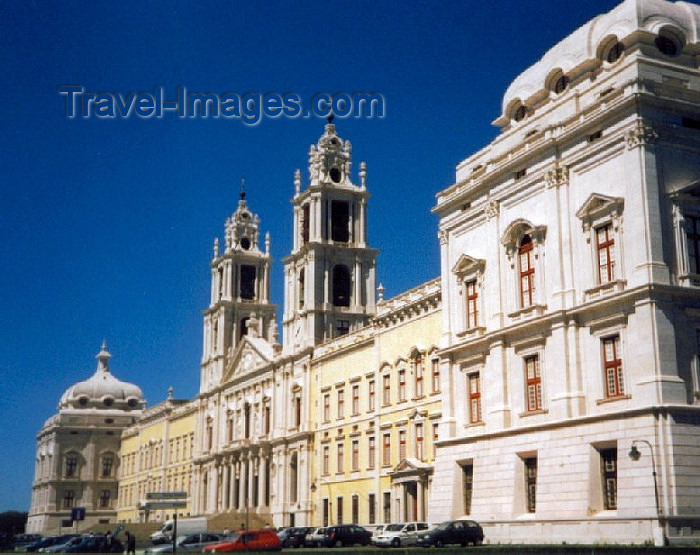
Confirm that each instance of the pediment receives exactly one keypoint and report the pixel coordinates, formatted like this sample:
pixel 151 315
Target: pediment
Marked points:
pixel 519 228
pixel 410 465
pixel 467 265
pixel 251 354
pixel 598 205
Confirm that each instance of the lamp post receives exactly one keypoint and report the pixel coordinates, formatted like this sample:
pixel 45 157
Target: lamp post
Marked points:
pixel 635 455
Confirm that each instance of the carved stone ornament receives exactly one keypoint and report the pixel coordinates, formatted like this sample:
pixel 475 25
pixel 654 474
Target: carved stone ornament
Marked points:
pixel 492 209
pixel 557 176
pixel 641 135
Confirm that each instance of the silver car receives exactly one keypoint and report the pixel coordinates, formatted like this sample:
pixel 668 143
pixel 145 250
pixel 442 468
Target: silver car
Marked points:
pixel 400 534
pixel 188 542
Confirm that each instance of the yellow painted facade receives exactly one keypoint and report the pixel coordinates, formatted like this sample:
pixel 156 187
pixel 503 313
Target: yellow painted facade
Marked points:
pixel 378 404
pixel 156 455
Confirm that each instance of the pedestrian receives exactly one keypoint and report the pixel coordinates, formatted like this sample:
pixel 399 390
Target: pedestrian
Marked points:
pixel 109 542
pixel 226 531
pixel 130 543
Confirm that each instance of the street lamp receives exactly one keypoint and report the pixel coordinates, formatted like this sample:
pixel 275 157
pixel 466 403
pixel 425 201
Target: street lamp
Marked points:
pixel 635 455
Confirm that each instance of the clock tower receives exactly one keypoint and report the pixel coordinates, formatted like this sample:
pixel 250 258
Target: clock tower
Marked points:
pixel 330 274
pixel 240 294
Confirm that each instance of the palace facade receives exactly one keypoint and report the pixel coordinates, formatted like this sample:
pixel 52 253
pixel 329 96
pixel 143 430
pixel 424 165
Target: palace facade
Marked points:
pixel 547 384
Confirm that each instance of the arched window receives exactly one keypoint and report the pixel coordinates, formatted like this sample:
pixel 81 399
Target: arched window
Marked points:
pixel 341 285
pixel 527 272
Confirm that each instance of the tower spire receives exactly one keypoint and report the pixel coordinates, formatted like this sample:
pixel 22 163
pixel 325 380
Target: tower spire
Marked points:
pixel 242 193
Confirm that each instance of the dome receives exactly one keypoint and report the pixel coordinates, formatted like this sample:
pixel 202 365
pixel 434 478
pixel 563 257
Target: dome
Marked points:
pixel 103 390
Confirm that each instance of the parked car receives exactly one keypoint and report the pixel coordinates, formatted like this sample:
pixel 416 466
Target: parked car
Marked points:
pixel 248 540
pixel 189 542
pixel 47 542
pixel 313 538
pixel 400 534
pixel 95 544
pixel 341 535
pixel 61 547
pixel 294 536
pixel 24 540
pixel 463 532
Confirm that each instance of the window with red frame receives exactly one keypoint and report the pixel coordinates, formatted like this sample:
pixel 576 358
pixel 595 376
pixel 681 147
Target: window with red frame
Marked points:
pixel 605 243
pixel 474 398
pixel 356 455
pixel 402 445
pixel 355 400
pixel 327 407
pixel 472 297
pixel 371 451
pixel 386 450
pixel 418 369
pixel 527 272
pixel 435 375
pixel 614 381
pixel 386 399
pixel 420 442
pixel 402 384
pixel 341 403
pixel 533 383
pixel 371 394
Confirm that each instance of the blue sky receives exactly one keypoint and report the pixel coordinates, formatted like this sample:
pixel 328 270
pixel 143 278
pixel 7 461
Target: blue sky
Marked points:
pixel 107 226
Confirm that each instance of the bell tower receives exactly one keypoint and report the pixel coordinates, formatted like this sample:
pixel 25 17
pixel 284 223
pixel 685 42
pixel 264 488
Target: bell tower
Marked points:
pixel 240 294
pixel 330 274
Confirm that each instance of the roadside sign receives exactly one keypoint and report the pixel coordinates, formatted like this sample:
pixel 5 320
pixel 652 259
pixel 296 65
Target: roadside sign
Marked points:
pixel 167 495
pixel 77 513
pixel 152 505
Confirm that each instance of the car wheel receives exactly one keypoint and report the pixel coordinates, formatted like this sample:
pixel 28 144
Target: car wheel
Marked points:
pixel 338 543
pixel 396 542
pixel 439 543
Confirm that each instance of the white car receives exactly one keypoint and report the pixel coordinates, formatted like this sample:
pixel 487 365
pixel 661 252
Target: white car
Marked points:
pixel 400 534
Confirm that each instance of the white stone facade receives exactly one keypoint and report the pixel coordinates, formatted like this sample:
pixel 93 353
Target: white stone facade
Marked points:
pixel 570 300
pixel 77 454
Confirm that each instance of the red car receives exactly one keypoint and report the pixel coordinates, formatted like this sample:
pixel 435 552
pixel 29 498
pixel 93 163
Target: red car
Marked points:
pixel 247 540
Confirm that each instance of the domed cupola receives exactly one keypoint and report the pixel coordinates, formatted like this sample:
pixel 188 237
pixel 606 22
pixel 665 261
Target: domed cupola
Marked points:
pixel 103 391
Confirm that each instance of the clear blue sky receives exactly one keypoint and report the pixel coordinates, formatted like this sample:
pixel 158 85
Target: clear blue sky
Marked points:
pixel 107 226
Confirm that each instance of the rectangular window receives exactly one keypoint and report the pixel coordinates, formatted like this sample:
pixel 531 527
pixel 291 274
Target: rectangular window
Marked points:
pixel 104 498
pixel 386 450
pixel 355 509
pixel 386 506
pixel 386 399
pixel 474 397
pixel 614 381
pixel 372 508
pixel 402 445
pixel 371 452
pixel 341 403
pixel 402 384
pixel 692 234
pixel 468 486
pixel 533 383
pixel 371 394
pixel 68 498
pixel 527 272
pixel 71 466
pixel 420 441
pixel 326 512
pixel 326 459
pixel 267 410
pixel 418 368
pixel 342 327
pixel 297 412
pixel 355 400
pixel 107 464
pixel 531 483
pixel 435 363
pixel 608 468
pixel 472 298
pixel 435 438
pixel 229 427
pixel 247 289
pixel 341 457
pixel 340 222
pixel 327 407
pixel 356 455
pixel 605 244
pixel 339 510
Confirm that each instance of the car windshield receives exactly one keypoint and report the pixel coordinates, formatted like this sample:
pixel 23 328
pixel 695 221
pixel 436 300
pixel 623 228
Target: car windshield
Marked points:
pixel 394 528
pixel 443 525
pixel 231 537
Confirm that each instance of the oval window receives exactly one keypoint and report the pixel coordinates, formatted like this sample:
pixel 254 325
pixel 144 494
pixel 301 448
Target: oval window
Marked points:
pixel 335 175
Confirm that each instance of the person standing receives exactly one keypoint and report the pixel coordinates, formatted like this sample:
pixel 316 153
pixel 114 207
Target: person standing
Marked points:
pixel 130 543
